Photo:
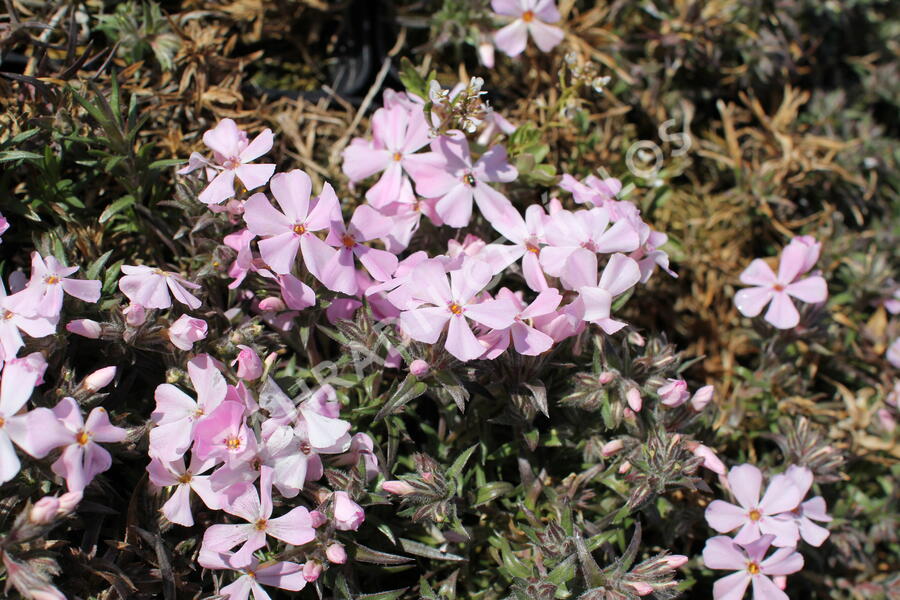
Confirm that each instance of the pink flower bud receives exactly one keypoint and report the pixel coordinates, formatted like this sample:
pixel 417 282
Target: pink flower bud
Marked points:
pixel 676 561
pixel 812 250
pixel 702 397
pixel 887 419
pixel 397 487
pixel 46 593
pixel 312 569
pixel 674 393
pixel 271 304
pixel 419 367
pixel 317 519
pixel 85 328
pixel 187 330
pixel 69 500
pixel 99 379
pixel 633 396
pixel 611 448
pixel 641 588
pixel 44 510
pixel 250 366
pixel 624 467
pixel 336 553
pixel 606 377
pixel 486 53
pixel 348 515
pixel 135 315
pixel 780 581
pixel 710 460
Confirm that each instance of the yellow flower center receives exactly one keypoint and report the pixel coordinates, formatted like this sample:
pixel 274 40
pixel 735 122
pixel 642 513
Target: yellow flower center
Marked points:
pixel 260 525
pixel 82 438
pixel 455 308
pixel 299 229
pixel 185 477
pixel 754 515
pixel 348 241
pixel 233 443
pixel 528 16
pixel 753 568
pixel 7 315
pixel 397 156
pixel 2 422
pixel 51 280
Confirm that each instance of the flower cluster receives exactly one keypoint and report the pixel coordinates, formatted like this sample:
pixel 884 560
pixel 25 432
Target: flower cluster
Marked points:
pixel 231 449
pixel 780 518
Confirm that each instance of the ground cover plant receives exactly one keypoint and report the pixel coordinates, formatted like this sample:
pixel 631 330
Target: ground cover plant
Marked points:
pixel 449 299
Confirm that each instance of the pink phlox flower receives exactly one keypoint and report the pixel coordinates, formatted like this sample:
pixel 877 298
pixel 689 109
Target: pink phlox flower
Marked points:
pixel 12 322
pixel 563 323
pixel 397 293
pixel 452 305
pixel 348 515
pixel 812 249
pixel 83 458
pixel 281 574
pixel 150 287
pixel 397 134
pixel 450 175
pixel 526 339
pixel 595 298
pixel 244 263
pixel 753 516
pixel 292 230
pixel 36 432
pixel 405 218
pixel 892 304
pixel 495 125
pixel 232 153
pixel 593 190
pixel 750 566
pixel 224 434
pixel 565 232
pixel 777 291
pixel 339 273
pixel 649 256
pixel 674 392
pixel 177 508
pixel 808 511
pixel 527 237
pixel 530 17
pixel 177 414
pixel 294 527
pixel 43 296
pixel 187 330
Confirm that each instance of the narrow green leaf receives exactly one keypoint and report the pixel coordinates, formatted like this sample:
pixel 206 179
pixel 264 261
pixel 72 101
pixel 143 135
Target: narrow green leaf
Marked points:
pixel 427 551
pixel 116 207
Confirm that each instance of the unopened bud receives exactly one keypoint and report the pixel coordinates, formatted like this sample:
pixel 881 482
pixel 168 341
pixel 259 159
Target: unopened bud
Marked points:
pixel 606 377
pixel 397 487
pixel 250 366
pixel 69 500
pixel 702 397
pixel 99 379
pixel 317 519
pixel 676 561
pixel 135 315
pixel 312 569
pixel 271 304
pixel 419 368
pixel 624 467
pixel 633 396
pixel 336 553
pixel 85 328
pixel 611 448
pixel 44 510
pixel 673 393
pixel 641 588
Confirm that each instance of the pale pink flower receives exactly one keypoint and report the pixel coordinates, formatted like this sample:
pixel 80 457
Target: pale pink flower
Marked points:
pixel 83 458
pixel 224 434
pixel 348 515
pixel 702 397
pixel 12 322
pixel 809 511
pixel 566 232
pixel 135 315
pixel 177 508
pixel 777 290
pixel 186 330
pixel 812 249
pixel 527 237
pixel 753 516
pixel 294 527
pixel 750 566
pixel 592 190
pixel 290 231
pixel 283 575
pixel 177 414
pixel 453 304
pixel 232 151
pixel 99 379
pixel 526 339
pixel 450 175
pixel 361 447
pixel 43 296
pixel 36 432
pixel 397 134
pixel 339 273
pixel 531 17
pixel 893 353
pixel 595 298
pixel 150 287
